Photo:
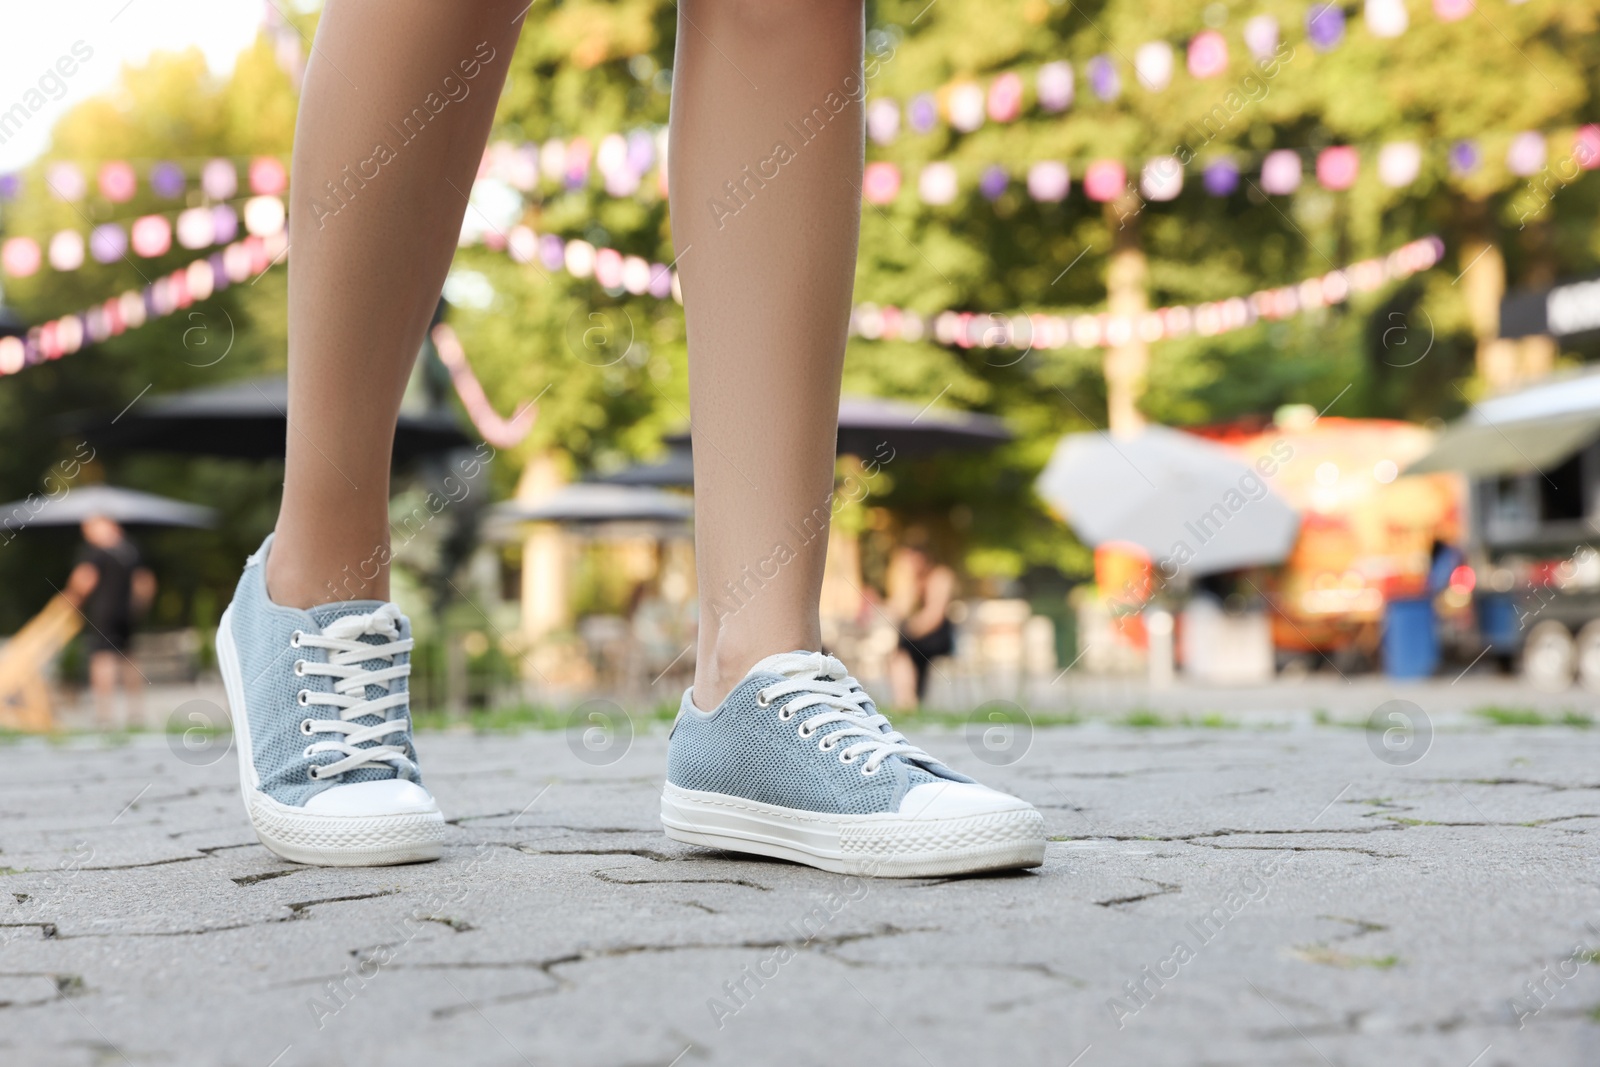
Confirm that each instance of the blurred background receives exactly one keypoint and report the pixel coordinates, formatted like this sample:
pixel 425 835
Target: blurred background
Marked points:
pixel 1205 356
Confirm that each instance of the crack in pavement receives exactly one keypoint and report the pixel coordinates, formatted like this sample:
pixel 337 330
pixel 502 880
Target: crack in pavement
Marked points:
pixel 643 853
pixel 823 945
pixel 603 876
pixel 254 879
pixel 1163 889
pixel 297 910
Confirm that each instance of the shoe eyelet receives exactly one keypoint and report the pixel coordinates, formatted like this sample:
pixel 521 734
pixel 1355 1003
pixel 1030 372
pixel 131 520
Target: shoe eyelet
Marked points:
pixel 785 714
pixel 803 732
pixel 845 757
pixel 868 774
pixel 303 699
pixel 305 727
pixel 762 700
pixel 824 746
pixel 312 773
pixel 294 639
pixel 299 668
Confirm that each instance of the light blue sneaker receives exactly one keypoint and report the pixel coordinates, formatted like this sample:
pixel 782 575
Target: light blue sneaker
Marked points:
pixel 797 763
pixel 319 705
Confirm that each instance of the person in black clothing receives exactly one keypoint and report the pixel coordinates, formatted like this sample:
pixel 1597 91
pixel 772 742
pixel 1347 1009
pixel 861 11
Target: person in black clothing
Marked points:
pixel 920 595
pixel 111 587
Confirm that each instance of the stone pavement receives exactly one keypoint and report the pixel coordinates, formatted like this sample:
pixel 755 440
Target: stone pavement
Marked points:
pixel 1277 896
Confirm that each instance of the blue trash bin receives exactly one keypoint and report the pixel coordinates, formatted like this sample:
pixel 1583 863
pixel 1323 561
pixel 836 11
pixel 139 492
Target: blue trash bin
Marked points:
pixel 1497 622
pixel 1410 638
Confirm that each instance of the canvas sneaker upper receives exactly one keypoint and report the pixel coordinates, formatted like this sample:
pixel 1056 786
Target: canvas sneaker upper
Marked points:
pixel 325 689
pixel 799 732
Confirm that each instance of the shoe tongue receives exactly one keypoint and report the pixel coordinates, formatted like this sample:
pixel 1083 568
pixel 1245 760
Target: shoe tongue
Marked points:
pixel 323 614
pixel 784 663
pixel 801 661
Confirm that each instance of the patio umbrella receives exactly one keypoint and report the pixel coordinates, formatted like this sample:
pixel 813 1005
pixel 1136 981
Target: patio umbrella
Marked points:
pixel 868 423
pixel 1523 431
pixel 1163 489
pixel 586 503
pixel 244 420
pixel 677 469
pixel 127 506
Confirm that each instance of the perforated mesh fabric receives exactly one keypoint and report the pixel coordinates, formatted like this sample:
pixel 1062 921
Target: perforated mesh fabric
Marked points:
pixel 261 632
pixel 745 750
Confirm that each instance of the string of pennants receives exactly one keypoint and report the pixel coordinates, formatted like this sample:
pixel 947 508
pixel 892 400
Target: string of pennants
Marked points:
pixel 623 161
pixel 1025 331
pixel 618 273
pixel 148 236
pixel 170 293
pixel 152 235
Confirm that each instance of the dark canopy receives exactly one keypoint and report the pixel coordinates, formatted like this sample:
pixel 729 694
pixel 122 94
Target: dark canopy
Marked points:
pixel 244 420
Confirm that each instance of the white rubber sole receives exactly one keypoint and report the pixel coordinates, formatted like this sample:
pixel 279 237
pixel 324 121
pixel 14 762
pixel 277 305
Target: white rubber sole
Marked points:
pixel 319 840
pixel 886 845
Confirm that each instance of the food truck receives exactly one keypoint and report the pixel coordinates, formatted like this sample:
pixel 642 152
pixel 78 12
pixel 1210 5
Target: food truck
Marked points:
pixel 1533 458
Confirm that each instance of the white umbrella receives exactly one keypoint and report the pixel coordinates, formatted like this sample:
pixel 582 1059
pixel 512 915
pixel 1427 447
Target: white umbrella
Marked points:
pixel 586 502
pixel 127 506
pixel 1522 431
pixel 1180 497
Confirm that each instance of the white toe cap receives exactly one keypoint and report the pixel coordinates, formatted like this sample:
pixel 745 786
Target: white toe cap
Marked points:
pixel 391 796
pixel 953 800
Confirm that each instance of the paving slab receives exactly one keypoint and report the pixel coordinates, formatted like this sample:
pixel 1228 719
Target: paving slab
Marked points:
pixel 1300 894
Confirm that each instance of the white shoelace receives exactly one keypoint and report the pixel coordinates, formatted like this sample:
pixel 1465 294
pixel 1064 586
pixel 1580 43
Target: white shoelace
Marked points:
pixel 346 653
pixel 814 680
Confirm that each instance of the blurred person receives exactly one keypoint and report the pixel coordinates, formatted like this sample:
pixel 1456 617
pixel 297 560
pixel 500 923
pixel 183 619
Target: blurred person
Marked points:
pixel 112 588
pixel 776 749
pixel 920 594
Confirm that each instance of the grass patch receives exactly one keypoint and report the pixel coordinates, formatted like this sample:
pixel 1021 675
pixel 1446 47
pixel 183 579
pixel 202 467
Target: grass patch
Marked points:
pixel 1000 717
pixel 1143 718
pixel 1502 716
pixel 517 717
pixel 1334 958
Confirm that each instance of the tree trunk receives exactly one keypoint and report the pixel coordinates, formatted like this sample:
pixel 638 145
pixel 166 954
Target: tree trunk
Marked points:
pixel 1483 285
pixel 1127 294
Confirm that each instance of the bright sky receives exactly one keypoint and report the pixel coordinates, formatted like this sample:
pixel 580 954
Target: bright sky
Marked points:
pixel 35 35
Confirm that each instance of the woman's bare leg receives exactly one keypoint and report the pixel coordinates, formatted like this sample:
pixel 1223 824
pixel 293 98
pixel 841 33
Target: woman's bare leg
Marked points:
pixel 398 99
pixel 766 161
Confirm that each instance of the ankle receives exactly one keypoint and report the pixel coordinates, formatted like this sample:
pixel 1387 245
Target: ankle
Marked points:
pixel 730 658
pixel 295 583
